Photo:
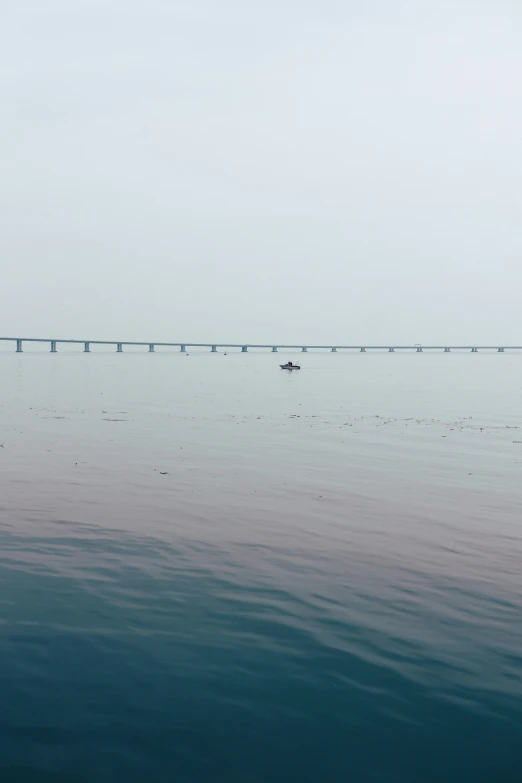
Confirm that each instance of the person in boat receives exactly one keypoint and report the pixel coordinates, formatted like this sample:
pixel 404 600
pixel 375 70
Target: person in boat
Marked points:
pixel 290 364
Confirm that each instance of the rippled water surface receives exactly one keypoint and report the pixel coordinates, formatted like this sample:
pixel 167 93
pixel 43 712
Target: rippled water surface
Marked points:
pixel 212 570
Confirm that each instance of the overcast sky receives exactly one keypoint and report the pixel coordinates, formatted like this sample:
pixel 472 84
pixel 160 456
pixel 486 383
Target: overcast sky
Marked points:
pixel 279 170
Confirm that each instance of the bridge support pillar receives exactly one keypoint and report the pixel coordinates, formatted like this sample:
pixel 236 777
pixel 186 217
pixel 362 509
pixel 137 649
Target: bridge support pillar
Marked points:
pixel 419 350
pixel 86 348
pixel 304 349
pixel 363 350
pixel 18 346
pixel 151 348
pixel 447 350
pixel 391 350
pixel 274 349
pixel 474 350
pixel 244 349
pixel 214 349
pixel 119 348
pixel 334 350
pixel 183 349
pixel 53 346
pixel 501 350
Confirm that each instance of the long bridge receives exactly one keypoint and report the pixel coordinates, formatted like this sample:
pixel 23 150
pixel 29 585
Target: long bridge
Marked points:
pixel 244 347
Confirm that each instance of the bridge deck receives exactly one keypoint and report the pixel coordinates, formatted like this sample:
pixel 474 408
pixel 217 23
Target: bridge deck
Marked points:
pixel 271 346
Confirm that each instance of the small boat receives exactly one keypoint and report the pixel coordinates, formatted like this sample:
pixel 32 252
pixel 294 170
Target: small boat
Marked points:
pixel 289 367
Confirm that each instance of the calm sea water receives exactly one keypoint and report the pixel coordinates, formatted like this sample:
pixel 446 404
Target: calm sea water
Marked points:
pixel 211 570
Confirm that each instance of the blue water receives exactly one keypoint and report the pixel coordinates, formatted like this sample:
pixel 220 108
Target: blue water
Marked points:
pixel 211 570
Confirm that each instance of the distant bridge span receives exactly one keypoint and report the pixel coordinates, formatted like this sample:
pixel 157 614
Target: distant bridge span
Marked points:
pixel 390 347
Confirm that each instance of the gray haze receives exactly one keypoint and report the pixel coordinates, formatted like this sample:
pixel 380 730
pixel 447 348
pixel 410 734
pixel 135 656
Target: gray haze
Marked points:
pixel 275 170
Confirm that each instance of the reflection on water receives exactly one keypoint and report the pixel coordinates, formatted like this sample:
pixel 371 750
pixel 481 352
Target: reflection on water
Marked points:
pixel 211 570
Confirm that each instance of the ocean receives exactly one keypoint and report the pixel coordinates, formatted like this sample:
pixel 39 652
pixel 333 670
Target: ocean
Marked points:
pixel 214 570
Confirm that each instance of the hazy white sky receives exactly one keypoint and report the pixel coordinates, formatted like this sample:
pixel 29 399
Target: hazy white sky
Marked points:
pixel 287 170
